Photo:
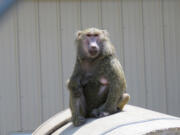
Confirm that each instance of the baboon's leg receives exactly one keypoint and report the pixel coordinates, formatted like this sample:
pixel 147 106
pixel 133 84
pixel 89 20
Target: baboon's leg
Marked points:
pixel 123 100
pixel 78 108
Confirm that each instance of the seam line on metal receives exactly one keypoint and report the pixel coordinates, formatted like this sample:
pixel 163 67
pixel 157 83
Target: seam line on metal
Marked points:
pixel 137 122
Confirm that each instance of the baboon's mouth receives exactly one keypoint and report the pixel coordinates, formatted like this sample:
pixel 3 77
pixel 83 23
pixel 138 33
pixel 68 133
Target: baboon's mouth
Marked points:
pixel 93 52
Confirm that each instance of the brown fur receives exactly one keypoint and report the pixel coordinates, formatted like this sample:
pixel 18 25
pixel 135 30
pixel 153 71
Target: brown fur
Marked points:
pixel 97 85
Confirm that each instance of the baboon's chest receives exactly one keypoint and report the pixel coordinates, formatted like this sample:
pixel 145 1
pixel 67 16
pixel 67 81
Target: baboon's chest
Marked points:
pixel 93 80
pixel 95 84
pixel 95 90
pixel 89 73
pixel 87 67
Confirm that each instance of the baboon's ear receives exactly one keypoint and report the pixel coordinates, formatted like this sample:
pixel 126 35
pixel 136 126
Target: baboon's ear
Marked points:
pixel 105 32
pixel 78 34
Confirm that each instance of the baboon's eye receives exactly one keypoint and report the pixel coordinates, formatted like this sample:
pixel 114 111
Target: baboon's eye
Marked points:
pixel 88 35
pixel 95 35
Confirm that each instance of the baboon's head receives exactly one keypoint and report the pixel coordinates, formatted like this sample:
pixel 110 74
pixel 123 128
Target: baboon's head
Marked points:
pixel 93 42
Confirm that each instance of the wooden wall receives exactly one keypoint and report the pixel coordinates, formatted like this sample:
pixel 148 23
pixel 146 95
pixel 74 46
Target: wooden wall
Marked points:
pixel 37 54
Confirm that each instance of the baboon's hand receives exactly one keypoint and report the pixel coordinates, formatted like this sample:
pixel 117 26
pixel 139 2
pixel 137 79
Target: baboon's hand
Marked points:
pixel 102 111
pixel 94 113
pixel 99 112
pixel 78 120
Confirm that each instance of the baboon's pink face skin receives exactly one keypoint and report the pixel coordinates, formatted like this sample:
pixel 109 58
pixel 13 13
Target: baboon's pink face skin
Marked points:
pixel 92 42
pixel 91 45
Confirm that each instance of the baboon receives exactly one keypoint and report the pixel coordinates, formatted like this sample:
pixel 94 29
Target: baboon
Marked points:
pixel 97 85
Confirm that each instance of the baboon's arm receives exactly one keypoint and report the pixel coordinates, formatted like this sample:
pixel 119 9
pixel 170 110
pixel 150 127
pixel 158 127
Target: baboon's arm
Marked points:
pixel 74 81
pixel 117 86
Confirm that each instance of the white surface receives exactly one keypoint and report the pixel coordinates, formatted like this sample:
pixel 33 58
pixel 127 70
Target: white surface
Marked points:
pixel 132 121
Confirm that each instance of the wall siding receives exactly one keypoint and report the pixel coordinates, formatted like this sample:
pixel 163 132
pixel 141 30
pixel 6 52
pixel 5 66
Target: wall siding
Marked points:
pixel 10 106
pixel 37 54
pixel 114 27
pixel 70 23
pixel 154 55
pixel 51 71
pixel 29 64
pixel 134 51
pixel 171 24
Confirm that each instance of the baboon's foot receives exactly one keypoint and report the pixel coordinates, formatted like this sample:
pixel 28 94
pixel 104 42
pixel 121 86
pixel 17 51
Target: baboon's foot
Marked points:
pixel 78 120
pixel 123 101
pixel 97 113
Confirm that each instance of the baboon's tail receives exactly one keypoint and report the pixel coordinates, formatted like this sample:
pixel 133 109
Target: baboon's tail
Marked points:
pixel 52 124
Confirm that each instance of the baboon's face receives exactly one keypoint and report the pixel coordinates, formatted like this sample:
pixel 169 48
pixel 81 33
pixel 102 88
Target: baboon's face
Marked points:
pixel 91 44
pixel 91 41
